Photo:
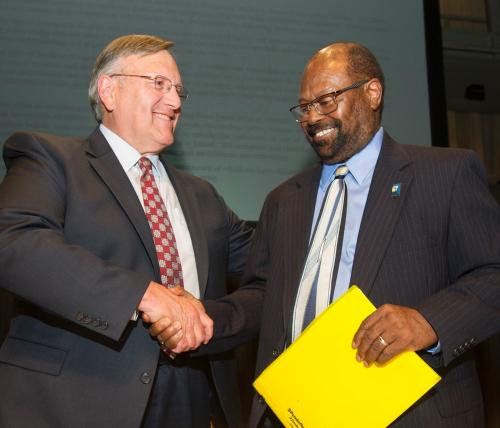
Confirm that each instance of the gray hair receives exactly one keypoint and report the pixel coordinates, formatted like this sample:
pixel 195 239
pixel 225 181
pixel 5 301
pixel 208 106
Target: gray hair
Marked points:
pixel 106 61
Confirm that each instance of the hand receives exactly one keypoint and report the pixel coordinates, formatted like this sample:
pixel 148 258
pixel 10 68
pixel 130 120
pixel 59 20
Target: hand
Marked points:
pixel 183 344
pixel 207 322
pixel 389 331
pixel 167 333
pixel 178 305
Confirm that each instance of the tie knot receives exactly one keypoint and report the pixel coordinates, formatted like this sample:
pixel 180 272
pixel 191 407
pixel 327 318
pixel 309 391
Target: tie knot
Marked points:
pixel 341 171
pixel 145 165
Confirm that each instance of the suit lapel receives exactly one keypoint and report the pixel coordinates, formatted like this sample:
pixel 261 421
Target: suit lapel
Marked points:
pixel 297 213
pixel 103 160
pixel 192 213
pixel 381 213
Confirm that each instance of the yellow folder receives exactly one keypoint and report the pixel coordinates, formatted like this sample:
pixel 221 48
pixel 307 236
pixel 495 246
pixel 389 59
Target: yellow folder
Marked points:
pixel 317 381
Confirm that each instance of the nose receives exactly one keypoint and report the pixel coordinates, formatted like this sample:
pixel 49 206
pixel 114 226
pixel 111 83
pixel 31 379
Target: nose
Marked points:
pixel 313 116
pixel 172 99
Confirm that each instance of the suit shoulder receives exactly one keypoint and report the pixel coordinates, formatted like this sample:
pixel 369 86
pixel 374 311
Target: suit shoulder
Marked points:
pixel 21 142
pixel 184 178
pixel 309 176
pixel 437 154
pixel 445 161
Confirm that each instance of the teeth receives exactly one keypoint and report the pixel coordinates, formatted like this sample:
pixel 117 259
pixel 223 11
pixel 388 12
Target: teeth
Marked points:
pixel 324 132
pixel 163 116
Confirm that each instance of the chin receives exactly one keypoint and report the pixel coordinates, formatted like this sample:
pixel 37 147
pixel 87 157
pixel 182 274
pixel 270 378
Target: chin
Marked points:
pixel 324 149
pixel 165 140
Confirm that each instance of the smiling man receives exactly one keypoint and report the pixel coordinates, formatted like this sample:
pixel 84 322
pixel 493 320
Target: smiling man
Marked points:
pixel 414 227
pixel 95 232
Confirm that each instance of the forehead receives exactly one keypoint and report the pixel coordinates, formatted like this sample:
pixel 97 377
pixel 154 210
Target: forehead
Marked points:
pixel 152 64
pixel 322 76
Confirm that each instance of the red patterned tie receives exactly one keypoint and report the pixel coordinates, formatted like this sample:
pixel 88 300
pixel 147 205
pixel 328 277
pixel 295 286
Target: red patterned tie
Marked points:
pixel 161 228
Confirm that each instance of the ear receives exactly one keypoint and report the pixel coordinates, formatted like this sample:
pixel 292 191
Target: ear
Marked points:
pixel 374 94
pixel 106 89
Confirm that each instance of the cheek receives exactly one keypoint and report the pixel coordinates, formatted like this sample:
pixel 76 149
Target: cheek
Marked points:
pixel 145 105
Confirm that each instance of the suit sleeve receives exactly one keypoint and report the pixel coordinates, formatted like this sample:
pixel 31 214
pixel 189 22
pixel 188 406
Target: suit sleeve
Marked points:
pixel 237 316
pixel 468 310
pixel 38 265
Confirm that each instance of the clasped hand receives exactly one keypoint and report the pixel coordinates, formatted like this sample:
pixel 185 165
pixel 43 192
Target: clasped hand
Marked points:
pixel 178 320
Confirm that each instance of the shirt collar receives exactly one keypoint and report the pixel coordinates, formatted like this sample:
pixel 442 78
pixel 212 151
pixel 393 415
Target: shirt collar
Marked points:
pixel 126 154
pixel 361 165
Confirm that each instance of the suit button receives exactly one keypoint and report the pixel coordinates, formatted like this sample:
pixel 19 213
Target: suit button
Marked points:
pixel 461 349
pixel 261 400
pixel 79 316
pixel 276 352
pixel 456 352
pixel 145 378
pixel 472 340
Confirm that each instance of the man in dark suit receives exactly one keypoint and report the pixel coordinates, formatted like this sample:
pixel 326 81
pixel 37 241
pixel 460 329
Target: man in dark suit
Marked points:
pixel 421 239
pixel 93 231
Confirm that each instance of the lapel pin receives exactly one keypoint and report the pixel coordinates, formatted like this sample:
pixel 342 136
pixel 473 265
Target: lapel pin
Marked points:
pixel 396 189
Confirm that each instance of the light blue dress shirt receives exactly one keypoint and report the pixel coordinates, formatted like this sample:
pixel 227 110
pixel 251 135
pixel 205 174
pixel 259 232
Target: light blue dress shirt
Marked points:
pixel 358 180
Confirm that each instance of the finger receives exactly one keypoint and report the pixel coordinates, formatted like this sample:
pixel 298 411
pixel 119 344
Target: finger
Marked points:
pixel 207 323
pixel 156 328
pixel 375 350
pixel 168 334
pixel 208 326
pixel 367 324
pixel 199 331
pixel 399 340
pixel 368 337
pixel 196 312
pixel 388 353
pixel 146 318
pixel 190 333
pixel 182 346
pixel 173 340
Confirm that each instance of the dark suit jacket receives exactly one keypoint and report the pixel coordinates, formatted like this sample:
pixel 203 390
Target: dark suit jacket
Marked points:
pixel 436 248
pixel 76 250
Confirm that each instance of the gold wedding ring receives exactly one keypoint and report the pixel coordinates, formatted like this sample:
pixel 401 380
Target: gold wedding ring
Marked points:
pixel 382 341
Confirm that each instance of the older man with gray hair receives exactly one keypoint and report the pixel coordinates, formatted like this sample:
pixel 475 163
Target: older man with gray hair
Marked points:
pixel 95 232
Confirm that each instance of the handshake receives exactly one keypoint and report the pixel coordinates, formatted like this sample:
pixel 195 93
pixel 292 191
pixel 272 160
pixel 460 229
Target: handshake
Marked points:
pixel 178 320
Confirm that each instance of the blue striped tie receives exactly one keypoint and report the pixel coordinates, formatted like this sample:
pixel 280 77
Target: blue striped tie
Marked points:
pixel 320 270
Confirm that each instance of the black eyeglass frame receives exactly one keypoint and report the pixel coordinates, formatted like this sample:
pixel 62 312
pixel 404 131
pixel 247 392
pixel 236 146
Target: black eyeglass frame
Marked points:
pixel 300 111
pixel 180 89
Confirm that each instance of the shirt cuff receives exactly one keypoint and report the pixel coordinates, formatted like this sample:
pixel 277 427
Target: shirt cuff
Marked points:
pixel 436 349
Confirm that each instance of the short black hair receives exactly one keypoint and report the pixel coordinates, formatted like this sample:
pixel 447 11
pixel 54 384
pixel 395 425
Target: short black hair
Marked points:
pixel 361 62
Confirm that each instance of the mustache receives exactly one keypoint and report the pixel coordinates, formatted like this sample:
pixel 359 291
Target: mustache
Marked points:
pixel 313 129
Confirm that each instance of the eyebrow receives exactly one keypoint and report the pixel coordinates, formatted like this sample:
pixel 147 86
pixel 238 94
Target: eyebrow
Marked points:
pixel 328 91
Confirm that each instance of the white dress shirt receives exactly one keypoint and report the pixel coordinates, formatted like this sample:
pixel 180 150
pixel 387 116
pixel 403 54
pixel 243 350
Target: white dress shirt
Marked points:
pixel 128 157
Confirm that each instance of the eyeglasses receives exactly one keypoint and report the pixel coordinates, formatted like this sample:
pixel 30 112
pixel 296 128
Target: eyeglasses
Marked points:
pixel 162 84
pixel 325 104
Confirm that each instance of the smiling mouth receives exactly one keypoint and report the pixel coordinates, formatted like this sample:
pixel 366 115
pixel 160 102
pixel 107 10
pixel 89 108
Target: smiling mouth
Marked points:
pixel 324 132
pixel 163 116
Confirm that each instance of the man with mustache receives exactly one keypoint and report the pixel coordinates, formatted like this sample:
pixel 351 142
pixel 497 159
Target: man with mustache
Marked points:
pixel 421 238
pixel 93 231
